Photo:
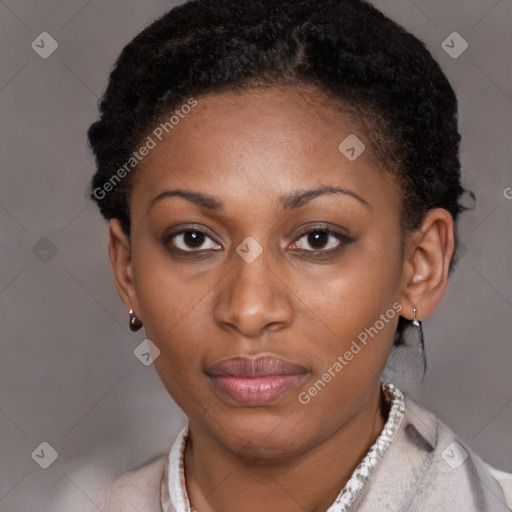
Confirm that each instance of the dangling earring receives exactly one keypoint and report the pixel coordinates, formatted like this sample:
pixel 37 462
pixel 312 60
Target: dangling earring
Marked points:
pixel 135 324
pixel 417 324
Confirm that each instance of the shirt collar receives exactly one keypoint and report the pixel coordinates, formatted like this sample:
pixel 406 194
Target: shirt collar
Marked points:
pixel 174 497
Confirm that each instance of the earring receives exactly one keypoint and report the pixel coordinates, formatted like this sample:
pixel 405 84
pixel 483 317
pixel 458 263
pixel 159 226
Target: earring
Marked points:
pixel 414 321
pixel 135 324
pixel 417 324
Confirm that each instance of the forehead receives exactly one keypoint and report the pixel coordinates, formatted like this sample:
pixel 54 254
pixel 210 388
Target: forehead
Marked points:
pixel 258 143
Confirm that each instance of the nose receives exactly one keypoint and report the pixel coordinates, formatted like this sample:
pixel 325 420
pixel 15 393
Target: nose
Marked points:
pixel 253 298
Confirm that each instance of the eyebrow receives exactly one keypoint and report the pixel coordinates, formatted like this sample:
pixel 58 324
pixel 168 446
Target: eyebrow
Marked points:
pixel 289 202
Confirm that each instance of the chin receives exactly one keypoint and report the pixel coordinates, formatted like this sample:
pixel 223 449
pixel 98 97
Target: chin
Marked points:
pixel 266 436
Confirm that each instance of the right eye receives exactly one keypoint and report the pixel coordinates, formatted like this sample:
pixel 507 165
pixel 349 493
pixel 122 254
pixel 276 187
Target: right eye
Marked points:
pixel 191 240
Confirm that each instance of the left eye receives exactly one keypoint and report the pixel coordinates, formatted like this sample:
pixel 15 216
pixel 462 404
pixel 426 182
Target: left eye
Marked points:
pixel 320 240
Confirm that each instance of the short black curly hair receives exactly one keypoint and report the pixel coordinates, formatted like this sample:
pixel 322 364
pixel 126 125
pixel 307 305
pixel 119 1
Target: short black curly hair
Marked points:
pixel 353 53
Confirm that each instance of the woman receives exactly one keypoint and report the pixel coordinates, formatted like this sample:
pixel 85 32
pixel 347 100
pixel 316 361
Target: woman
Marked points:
pixel 282 182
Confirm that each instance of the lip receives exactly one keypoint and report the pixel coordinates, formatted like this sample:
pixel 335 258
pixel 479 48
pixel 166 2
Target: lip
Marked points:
pixel 255 381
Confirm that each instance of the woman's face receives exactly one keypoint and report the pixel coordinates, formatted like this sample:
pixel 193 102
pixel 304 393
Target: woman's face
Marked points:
pixel 253 263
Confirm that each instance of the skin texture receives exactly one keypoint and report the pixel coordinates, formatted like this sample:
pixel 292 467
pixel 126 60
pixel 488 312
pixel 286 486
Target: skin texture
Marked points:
pixel 247 150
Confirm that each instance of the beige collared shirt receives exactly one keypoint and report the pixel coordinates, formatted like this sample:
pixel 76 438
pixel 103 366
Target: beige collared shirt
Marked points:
pixel 425 469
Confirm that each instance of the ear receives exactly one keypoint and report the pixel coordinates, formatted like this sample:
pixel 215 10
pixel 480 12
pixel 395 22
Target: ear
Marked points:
pixel 428 253
pixel 120 256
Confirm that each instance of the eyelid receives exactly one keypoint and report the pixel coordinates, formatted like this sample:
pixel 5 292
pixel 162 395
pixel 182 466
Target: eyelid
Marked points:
pixel 322 226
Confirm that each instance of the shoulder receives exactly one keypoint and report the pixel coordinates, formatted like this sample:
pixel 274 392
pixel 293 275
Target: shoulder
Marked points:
pixel 141 489
pixel 456 472
pixel 428 468
pixel 505 481
pixel 136 490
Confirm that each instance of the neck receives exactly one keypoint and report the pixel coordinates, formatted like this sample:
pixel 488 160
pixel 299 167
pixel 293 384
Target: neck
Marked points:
pixel 217 480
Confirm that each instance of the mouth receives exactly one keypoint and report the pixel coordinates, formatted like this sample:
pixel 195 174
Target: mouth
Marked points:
pixel 255 381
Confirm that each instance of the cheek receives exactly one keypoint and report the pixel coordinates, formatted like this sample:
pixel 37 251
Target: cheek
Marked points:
pixel 171 296
pixel 173 310
pixel 353 340
pixel 352 295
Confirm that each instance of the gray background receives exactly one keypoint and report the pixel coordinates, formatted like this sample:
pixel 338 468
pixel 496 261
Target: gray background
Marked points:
pixel 68 375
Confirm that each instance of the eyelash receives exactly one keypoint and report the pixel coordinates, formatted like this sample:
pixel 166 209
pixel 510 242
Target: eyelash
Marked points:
pixel 343 239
